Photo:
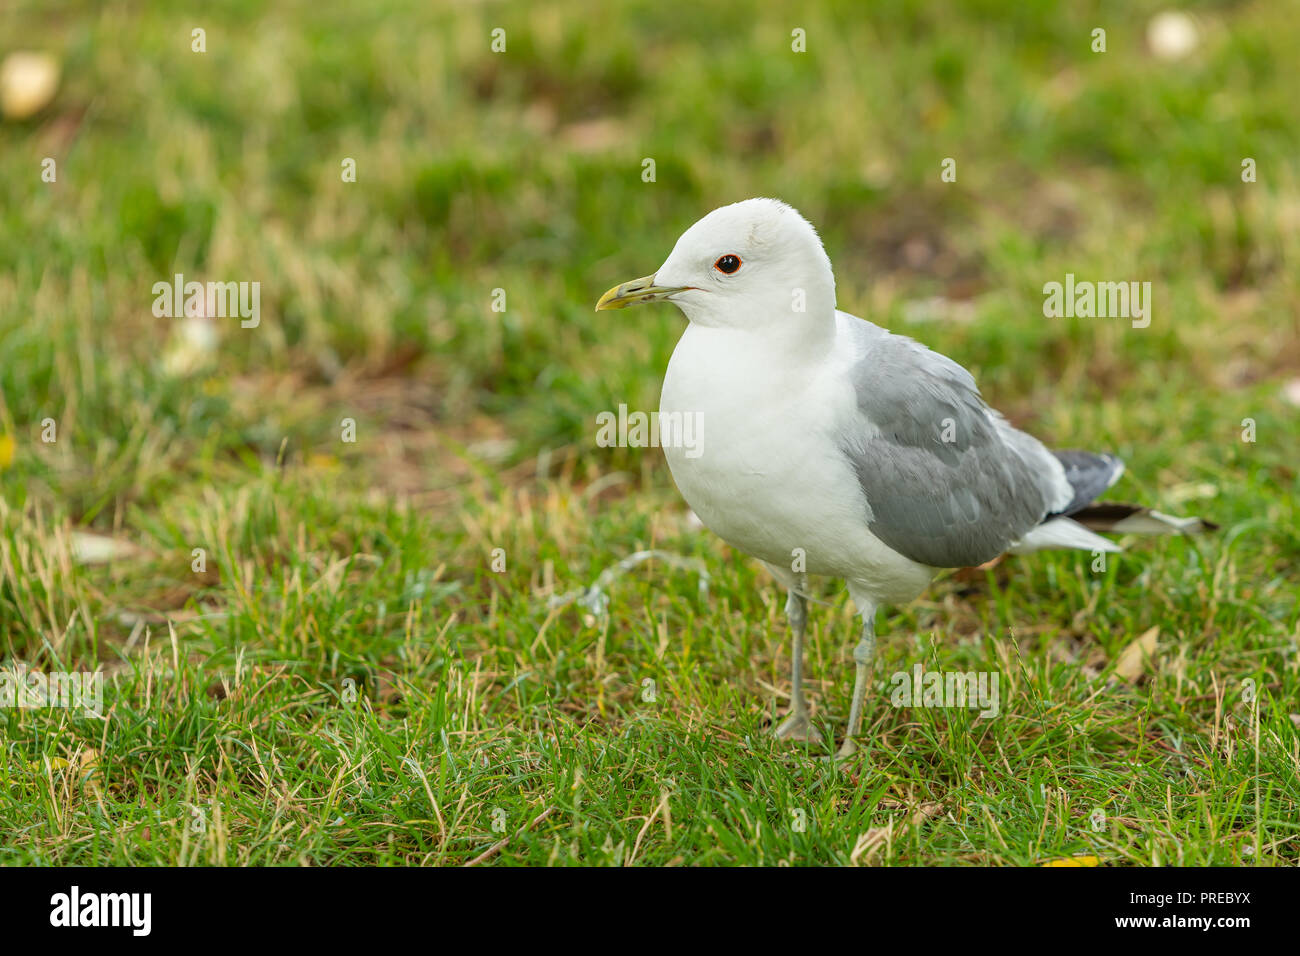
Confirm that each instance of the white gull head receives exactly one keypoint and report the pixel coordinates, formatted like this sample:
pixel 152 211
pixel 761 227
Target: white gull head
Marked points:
pixel 749 265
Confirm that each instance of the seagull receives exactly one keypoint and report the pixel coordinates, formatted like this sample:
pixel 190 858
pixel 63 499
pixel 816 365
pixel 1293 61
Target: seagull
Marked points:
pixel 831 446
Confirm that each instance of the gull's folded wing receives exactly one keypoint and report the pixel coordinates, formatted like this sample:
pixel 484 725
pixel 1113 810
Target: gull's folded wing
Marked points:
pixel 947 481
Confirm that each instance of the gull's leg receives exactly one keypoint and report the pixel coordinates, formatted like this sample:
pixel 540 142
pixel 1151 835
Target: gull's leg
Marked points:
pixel 862 657
pixel 797 726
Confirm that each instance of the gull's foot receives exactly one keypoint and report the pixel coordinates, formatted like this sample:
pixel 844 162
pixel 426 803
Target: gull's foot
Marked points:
pixel 797 726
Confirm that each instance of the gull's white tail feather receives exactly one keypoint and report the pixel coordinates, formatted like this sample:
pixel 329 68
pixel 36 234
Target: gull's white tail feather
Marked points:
pixel 1079 530
pixel 1062 533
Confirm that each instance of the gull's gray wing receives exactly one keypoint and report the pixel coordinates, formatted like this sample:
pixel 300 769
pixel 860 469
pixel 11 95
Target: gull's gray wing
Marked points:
pixel 947 481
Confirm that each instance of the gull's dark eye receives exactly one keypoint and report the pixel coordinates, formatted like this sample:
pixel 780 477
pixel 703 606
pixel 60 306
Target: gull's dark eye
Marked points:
pixel 727 264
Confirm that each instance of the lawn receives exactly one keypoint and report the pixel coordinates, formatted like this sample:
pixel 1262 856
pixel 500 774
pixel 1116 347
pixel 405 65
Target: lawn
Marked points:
pixel 333 564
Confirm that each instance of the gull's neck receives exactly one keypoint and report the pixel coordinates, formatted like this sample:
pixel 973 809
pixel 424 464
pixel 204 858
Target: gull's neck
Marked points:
pixel 792 348
pixel 797 338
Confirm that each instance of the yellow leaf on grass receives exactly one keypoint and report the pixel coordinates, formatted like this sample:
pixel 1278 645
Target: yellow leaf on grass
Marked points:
pixel 7 446
pixel 322 462
pixel 87 763
pixel 1133 659
pixel 1074 861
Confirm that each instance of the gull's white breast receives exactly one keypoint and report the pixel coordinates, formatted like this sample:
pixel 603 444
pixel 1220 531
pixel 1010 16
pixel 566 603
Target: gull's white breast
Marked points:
pixel 770 476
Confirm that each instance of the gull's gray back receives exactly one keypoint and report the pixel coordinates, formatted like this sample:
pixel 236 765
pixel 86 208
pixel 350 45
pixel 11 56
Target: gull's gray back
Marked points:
pixel 948 483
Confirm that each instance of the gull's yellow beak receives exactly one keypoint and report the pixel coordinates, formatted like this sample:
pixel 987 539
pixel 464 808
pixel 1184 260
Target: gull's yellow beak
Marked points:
pixel 636 292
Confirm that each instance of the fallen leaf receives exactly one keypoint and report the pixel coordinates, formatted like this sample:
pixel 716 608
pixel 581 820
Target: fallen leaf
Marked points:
pixel 1133 659
pixel 7 446
pixel 1073 861
pixel 869 842
pixel 87 760
pixel 924 811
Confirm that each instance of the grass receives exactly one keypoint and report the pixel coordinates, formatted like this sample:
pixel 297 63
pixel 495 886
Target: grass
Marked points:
pixel 346 679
